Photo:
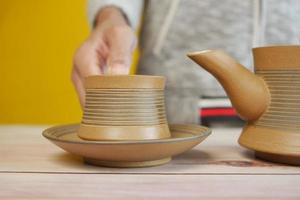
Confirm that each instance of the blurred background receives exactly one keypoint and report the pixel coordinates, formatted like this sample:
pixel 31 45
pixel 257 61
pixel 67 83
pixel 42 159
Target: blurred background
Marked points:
pixel 37 43
pixel 38 40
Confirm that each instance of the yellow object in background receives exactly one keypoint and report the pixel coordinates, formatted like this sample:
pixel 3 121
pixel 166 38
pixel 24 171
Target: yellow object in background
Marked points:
pixel 37 42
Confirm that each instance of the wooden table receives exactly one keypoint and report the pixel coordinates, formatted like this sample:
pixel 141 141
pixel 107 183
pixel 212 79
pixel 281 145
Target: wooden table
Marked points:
pixel 33 168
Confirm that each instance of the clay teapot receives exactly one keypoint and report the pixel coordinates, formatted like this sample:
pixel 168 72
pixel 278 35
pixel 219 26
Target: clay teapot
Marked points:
pixel 268 100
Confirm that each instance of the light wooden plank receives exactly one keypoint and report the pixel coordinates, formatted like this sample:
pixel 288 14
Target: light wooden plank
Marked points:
pixel 23 149
pixel 95 186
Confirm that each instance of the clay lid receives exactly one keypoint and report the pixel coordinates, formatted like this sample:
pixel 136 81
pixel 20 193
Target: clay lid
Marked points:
pixel 125 81
pixel 277 57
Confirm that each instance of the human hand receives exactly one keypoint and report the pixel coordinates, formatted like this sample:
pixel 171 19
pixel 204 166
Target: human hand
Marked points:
pixel 108 49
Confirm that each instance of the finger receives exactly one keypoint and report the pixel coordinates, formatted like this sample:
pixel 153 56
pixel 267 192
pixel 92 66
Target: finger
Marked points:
pixel 102 53
pixel 79 86
pixel 121 44
pixel 87 62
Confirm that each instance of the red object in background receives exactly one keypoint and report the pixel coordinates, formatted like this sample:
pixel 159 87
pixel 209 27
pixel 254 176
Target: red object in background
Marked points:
pixel 215 112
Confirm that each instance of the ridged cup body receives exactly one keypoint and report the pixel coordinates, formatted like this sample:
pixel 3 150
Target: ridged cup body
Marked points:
pixel 124 107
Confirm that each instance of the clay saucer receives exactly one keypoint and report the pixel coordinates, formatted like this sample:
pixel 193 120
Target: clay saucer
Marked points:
pixel 129 153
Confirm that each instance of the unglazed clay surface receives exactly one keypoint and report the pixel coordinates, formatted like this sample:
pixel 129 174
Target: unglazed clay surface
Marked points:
pixel 130 153
pixel 124 107
pixel 269 101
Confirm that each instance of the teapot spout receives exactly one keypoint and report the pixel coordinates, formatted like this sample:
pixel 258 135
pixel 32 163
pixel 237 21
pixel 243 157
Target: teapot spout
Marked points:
pixel 248 93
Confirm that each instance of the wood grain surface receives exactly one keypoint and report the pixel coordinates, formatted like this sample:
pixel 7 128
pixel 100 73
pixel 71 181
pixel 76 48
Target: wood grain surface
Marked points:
pixel 33 168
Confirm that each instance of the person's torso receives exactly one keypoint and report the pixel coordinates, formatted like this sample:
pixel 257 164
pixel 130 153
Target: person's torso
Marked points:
pixel 208 24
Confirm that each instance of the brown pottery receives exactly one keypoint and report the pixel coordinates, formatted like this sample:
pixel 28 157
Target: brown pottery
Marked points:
pixel 124 124
pixel 269 100
pixel 124 107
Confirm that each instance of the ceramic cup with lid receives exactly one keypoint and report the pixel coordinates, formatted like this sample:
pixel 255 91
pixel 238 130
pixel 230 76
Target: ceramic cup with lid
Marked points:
pixel 124 107
pixel 124 124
